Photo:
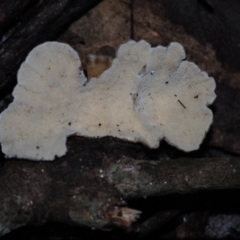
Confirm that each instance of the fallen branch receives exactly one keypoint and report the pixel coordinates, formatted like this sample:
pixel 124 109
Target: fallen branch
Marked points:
pixel 88 188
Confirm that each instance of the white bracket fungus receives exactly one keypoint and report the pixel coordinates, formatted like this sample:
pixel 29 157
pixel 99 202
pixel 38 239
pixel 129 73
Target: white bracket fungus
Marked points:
pixel 146 95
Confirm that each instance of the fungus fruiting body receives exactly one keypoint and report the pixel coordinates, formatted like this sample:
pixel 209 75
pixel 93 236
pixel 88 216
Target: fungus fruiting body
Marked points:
pixel 148 94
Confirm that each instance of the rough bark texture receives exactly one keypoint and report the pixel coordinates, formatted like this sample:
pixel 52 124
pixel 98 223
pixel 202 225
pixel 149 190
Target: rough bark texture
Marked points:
pixel 40 23
pixel 81 190
pixel 10 11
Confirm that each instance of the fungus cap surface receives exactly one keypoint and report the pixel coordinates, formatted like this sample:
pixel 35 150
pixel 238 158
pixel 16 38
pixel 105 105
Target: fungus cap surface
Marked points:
pixel 146 95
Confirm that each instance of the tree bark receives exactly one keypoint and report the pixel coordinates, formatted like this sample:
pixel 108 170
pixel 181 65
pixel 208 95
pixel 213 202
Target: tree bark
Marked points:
pixel 10 10
pixel 91 191
pixel 38 24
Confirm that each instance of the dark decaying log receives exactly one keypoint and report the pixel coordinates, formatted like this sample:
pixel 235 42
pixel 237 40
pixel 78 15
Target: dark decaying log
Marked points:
pixel 39 23
pixel 88 188
pixel 9 12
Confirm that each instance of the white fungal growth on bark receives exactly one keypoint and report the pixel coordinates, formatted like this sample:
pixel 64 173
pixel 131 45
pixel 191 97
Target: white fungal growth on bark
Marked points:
pixel 146 95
